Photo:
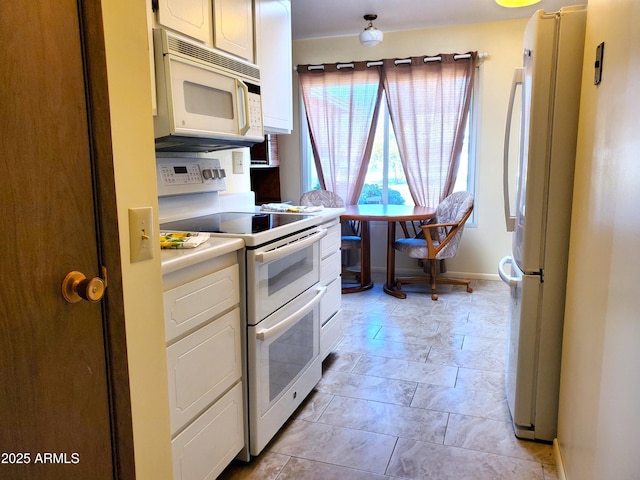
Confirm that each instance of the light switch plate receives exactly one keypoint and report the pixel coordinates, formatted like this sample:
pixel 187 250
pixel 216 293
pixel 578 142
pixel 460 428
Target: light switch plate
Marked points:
pixel 238 162
pixel 141 235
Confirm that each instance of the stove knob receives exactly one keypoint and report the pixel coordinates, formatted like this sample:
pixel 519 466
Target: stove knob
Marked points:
pixel 207 173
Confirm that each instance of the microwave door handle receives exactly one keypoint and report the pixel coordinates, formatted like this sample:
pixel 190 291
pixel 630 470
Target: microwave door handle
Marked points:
pixel 510 219
pixel 290 248
pixel 285 323
pixel 243 127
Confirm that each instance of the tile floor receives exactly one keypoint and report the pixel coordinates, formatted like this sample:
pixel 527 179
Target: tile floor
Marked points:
pixel 413 391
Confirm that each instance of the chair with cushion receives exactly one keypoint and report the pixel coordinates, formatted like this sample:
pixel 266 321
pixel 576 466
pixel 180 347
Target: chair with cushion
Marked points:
pixel 350 240
pixel 438 240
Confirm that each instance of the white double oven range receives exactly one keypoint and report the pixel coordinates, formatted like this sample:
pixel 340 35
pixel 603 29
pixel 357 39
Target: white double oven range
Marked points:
pixel 288 296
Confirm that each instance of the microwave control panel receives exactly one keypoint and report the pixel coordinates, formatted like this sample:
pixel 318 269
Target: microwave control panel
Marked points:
pixel 177 176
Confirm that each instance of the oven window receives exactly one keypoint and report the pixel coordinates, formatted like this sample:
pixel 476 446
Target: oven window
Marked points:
pixel 290 354
pixel 284 272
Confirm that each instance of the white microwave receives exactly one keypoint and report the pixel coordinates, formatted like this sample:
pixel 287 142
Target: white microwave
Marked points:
pixel 207 100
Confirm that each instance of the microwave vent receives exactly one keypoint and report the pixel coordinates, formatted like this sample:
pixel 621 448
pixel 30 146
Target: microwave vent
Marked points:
pixel 210 57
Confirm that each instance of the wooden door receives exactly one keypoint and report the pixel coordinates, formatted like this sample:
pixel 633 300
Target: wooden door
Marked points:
pixel 64 401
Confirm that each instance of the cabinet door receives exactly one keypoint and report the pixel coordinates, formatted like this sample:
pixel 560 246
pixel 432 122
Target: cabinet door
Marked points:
pixel 189 17
pixel 273 56
pixel 202 366
pixel 233 27
pixel 209 444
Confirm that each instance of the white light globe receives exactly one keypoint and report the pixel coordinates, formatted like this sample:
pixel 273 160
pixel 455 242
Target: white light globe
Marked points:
pixel 370 37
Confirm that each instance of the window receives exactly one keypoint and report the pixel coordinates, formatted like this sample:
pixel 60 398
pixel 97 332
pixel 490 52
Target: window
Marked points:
pixel 385 182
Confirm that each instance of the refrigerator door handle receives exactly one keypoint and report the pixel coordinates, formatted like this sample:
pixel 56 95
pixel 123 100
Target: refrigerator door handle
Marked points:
pixel 509 218
pixel 506 278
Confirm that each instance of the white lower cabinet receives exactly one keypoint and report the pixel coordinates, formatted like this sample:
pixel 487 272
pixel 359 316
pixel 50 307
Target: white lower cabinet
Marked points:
pixel 211 442
pixel 205 368
pixel 330 312
pixel 202 367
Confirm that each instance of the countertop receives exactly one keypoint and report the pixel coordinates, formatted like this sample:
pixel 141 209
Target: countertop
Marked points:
pixel 173 259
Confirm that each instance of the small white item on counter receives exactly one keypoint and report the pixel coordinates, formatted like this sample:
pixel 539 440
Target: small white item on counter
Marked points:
pixel 287 208
pixel 182 240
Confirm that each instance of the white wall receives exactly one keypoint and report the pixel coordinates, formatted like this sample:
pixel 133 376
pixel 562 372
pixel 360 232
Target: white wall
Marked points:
pixel 481 247
pixel 600 385
pixel 134 165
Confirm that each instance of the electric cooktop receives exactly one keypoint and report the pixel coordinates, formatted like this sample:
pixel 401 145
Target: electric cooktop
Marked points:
pixel 234 223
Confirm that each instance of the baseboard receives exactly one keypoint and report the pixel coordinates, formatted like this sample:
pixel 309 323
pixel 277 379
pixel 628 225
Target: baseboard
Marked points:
pixel 418 272
pixel 558 457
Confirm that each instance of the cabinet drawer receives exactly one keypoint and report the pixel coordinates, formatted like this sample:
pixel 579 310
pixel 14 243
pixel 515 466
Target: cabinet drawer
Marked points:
pixel 202 366
pixel 192 304
pixel 331 301
pixel 330 335
pixel 208 445
pixel 330 268
pixel 331 241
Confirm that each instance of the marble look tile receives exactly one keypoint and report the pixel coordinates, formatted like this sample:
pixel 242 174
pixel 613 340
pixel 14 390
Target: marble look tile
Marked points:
pixel 341 361
pixel 378 417
pixel 313 406
pixel 450 318
pixel 467 358
pixel 479 403
pixel 365 387
pixel 406 370
pixel 422 460
pixel 370 306
pixel 299 468
pixel 423 304
pixel 267 466
pixel 335 445
pixel 361 315
pixel 488 317
pixel 358 329
pixel 471 378
pixel 493 436
pixel 485 344
pixel 427 324
pixel 417 336
pixel 479 328
pixel 383 348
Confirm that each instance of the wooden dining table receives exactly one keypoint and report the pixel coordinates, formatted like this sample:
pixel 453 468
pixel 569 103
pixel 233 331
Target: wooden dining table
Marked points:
pixel 382 213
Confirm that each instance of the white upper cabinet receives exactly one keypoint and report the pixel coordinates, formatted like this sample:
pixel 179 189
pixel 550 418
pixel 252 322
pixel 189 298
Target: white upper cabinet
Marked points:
pixel 189 17
pixel 273 56
pixel 233 27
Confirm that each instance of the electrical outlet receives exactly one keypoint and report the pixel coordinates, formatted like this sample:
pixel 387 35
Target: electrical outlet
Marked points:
pixel 238 162
pixel 141 236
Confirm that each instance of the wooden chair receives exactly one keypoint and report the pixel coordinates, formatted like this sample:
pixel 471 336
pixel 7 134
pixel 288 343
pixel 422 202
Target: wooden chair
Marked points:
pixel 438 240
pixel 351 239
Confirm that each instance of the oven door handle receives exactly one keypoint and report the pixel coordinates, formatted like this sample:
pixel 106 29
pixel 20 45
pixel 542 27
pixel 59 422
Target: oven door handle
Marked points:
pixel 283 325
pixel 288 249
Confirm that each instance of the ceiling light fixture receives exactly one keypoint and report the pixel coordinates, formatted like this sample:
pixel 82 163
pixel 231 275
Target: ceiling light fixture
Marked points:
pixel 370 36
pixel 516 3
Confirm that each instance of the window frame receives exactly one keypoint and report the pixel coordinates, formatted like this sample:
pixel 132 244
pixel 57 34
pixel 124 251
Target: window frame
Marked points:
pixel 306 155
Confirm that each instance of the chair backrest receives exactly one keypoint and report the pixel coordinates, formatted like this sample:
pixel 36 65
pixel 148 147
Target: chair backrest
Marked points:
pixel 455 208
pixel 321 197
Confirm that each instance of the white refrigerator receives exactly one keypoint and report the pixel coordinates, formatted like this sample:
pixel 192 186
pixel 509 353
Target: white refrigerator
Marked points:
pixel 547 89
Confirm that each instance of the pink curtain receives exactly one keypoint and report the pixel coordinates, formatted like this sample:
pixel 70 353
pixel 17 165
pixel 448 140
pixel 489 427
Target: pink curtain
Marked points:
pixel 342 103
pixel 429 104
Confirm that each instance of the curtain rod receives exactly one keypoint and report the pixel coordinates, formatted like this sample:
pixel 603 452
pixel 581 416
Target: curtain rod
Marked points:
pixel 400 61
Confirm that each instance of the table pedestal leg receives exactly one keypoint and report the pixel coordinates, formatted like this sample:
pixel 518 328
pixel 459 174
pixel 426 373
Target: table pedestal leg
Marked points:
pixel 365 261
pixel 389 286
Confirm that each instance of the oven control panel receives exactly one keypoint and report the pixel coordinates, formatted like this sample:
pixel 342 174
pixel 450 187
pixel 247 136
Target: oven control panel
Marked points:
pixel 177 176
